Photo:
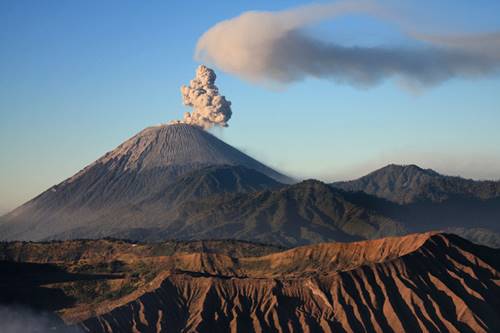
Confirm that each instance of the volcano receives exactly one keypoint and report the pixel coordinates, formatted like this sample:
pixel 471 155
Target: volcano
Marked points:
pixel 138 169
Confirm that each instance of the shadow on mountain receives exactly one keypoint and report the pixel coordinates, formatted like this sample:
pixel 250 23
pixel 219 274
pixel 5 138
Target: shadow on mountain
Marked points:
pixel 456 211
pixel 23 283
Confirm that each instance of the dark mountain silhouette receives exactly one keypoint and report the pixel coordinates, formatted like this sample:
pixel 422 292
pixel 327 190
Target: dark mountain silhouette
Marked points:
pixel 304 213
pixel 422 199
pixel 409 184
pixel 427 282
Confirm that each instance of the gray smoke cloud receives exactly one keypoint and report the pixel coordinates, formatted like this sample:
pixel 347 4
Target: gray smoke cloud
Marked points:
pixel 273 46
pixel 209 107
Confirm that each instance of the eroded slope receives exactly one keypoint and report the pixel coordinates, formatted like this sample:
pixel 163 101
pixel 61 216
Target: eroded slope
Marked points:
pixel 426 283
pixel 417 283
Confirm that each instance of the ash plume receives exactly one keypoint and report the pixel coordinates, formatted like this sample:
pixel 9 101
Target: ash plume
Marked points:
pixel 209 107
pixel 274 46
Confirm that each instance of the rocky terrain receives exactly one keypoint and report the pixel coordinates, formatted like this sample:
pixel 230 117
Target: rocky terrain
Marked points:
pixel 417 283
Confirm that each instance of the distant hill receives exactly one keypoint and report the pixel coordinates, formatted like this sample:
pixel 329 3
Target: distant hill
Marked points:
pixel 422 199
pixel 409 184
pixel 304 213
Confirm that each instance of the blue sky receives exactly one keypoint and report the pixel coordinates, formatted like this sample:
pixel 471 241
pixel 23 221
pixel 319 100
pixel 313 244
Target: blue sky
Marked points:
pixel 79 77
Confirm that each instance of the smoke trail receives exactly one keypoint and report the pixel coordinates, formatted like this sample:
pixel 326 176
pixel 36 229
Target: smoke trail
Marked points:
pixel 272 46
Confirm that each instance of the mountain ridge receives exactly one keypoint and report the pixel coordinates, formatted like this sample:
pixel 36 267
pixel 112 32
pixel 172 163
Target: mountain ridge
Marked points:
pixel 419 282
pixel 359 298
pixel 223 202
pixel 307 212
pixel 406 184
pixel 128 194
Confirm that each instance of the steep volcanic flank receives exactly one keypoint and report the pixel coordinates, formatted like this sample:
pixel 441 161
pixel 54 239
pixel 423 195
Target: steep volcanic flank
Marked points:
pixel 416 283
pixel 212 181
pixel 141 167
